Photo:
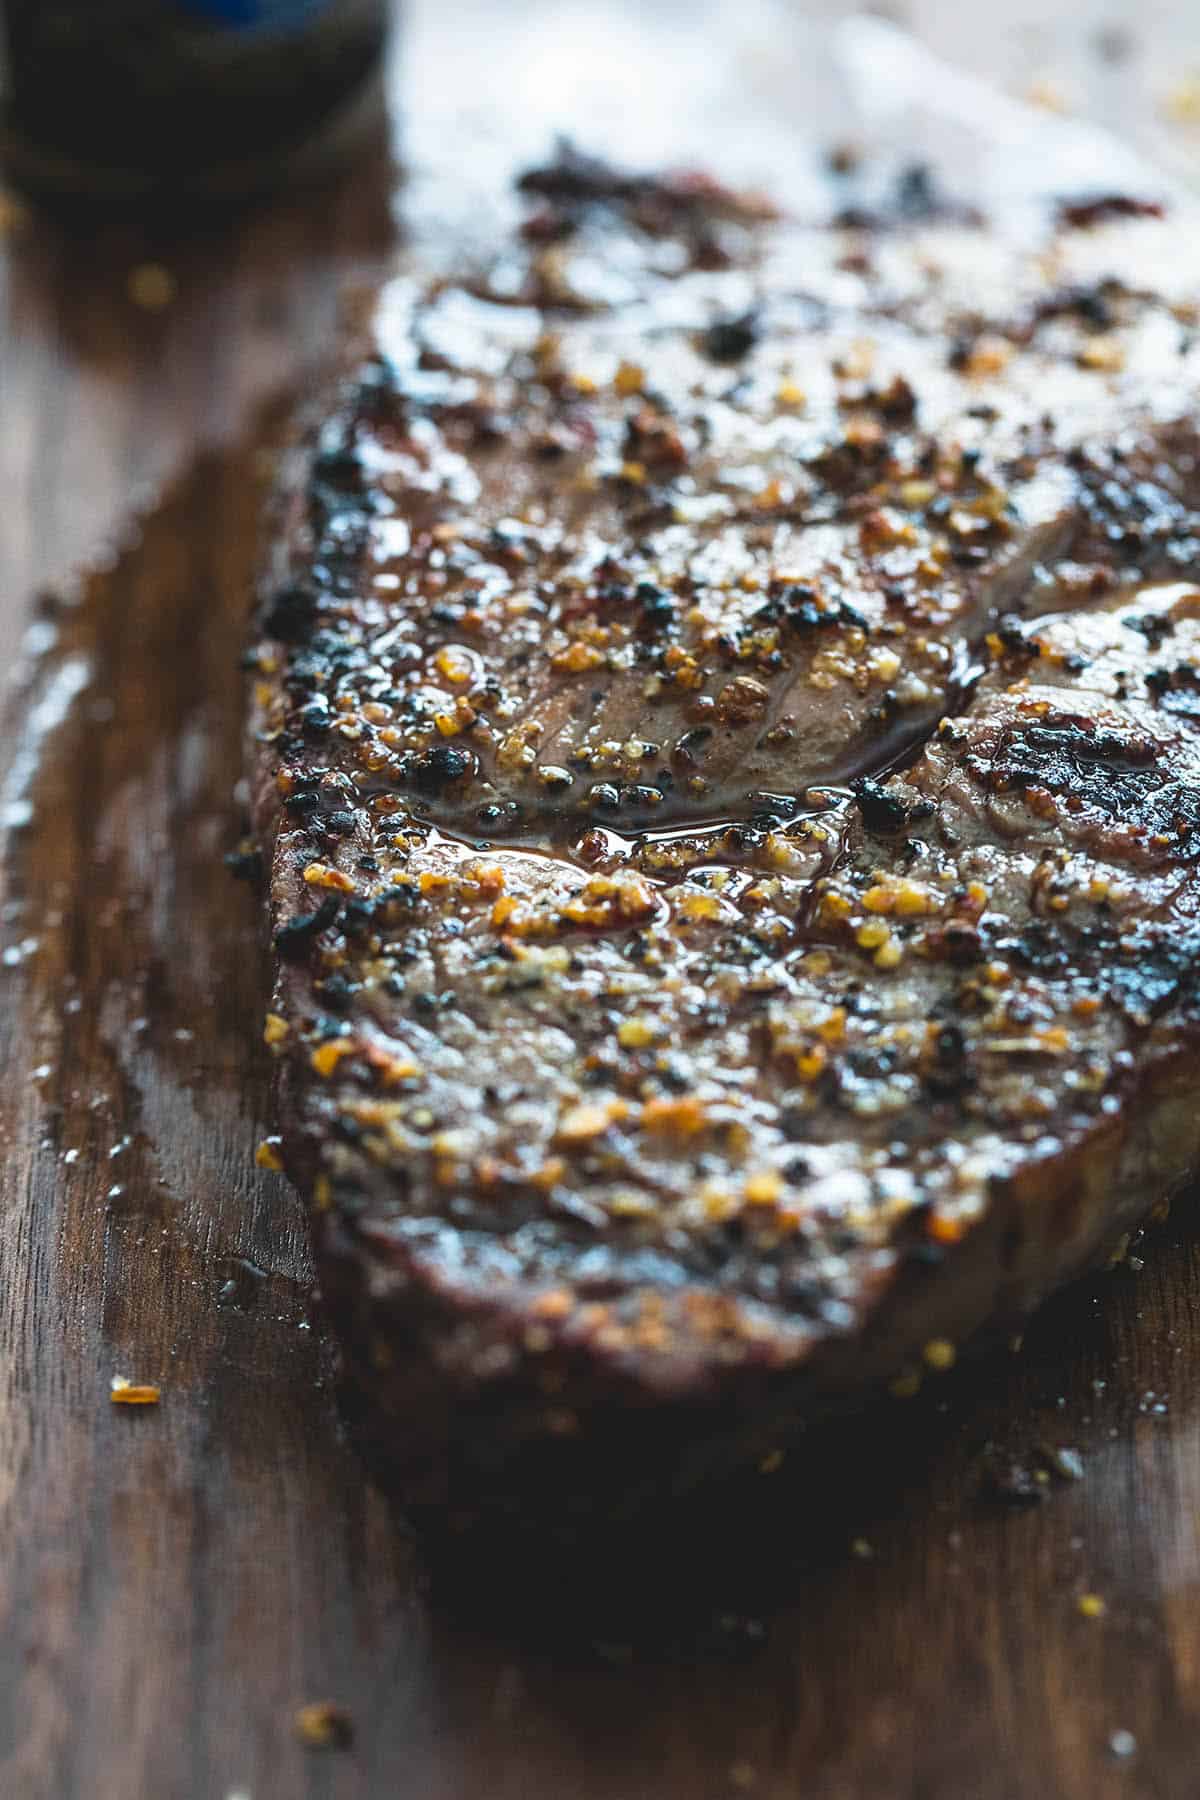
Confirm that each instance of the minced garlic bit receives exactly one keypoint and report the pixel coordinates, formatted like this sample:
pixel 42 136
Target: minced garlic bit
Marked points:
pixel 123 1392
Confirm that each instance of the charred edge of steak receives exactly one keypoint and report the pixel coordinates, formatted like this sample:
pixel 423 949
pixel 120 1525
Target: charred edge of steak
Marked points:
pixel 1123 776
pixel 561 1442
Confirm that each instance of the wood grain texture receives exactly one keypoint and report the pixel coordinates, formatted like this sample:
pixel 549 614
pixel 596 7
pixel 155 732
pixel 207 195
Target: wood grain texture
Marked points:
pixel 174 1582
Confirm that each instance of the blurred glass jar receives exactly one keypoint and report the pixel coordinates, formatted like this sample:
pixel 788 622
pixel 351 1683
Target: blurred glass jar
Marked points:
pixel 133 99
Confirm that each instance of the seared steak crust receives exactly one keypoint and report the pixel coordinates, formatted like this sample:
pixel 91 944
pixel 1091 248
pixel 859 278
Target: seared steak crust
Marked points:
pixel 628 1147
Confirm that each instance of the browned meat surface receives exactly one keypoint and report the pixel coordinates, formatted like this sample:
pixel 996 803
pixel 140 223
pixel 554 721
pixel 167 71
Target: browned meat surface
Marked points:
pixel 627 1151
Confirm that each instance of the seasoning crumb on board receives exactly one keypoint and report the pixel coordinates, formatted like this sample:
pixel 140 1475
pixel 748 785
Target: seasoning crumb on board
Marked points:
pixel 1182 103
pixel 267 1155
pixel 123 1392
pixel 151 286
pixel 13 215
pixel 324 1726
pixel 1092 1606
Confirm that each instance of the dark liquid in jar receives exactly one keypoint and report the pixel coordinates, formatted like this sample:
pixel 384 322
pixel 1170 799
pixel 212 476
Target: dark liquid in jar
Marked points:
pixel 133 97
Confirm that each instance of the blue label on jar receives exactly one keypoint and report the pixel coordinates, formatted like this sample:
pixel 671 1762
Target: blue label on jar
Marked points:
pixel 250 13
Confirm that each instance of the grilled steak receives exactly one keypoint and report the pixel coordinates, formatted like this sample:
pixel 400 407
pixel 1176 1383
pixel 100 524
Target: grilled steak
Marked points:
pixel 727 745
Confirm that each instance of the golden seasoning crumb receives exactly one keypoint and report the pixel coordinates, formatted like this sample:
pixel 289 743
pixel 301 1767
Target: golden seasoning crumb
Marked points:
pixel 322 1193
pixel 489 878
pixel 698 906
pixel 151 286
pixel 13 215
pixel 324 1726
pixel 1104 354
pixel 319 874
pixel 555 1303
pixel 835 905
pixel 764 1188
pixel 945 1228
pixel 717 1205
pixel 771 495
pixel 275 1029
pixel 1182 103
pixel 578 657
pixel 791 395
pixel 391 1068
pixel 871 935
pixel 940 1354
pixel 123 1392
pixel 636 1033
pixel 772 1461
pixel 862 1548
pixel 631 1205
pixel 267 1155
pixel 634 472
pixel 833 1028
pixel 588 1120
pixel 326 1057
pixel 1048 93
pixel 686 1116
pixel 889 955
pixel 583 384
pixel 629 379
pixel 452 666
pixel 913 901
pixel 990 356
pixel 1092 1606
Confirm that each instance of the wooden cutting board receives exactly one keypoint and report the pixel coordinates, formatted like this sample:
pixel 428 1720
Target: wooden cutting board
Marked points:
pixel 864 1622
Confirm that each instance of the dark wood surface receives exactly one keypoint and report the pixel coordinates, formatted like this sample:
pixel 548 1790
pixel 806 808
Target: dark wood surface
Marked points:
pixel 174 1582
